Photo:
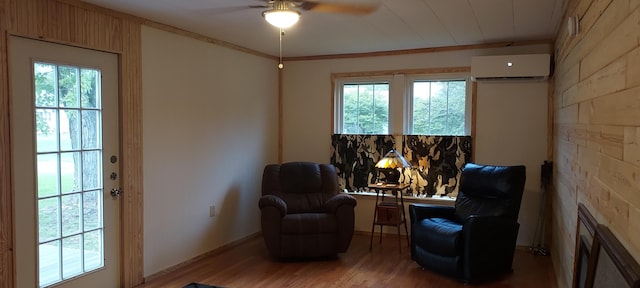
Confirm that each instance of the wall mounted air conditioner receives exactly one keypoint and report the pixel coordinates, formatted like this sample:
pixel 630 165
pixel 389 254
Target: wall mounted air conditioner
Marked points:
pixel 507 67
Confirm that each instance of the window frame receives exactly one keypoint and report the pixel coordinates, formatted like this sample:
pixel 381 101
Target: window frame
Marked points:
pixel 408 99
pixel 338 106
pixel 400 95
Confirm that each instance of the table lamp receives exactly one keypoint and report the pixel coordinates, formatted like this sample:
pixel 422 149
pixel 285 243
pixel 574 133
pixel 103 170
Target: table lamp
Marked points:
pixel 389 165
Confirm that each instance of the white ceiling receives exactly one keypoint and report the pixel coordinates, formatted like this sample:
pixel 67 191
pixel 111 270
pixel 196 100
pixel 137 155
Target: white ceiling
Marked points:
pixel 395 25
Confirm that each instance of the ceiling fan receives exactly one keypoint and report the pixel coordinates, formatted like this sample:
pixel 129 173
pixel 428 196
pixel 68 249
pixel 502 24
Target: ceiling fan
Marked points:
pixel 285 13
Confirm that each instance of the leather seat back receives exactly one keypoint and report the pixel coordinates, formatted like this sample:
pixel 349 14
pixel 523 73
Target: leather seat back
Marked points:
pixel 490 191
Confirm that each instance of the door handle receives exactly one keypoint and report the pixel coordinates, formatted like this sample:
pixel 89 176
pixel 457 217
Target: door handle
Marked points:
pixel 115 193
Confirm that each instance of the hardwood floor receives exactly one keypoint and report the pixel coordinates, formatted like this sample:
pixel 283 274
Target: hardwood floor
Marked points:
pixel 248 265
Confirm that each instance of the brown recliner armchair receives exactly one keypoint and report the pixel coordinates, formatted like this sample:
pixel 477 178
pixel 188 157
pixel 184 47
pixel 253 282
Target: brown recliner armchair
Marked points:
pixel 303 212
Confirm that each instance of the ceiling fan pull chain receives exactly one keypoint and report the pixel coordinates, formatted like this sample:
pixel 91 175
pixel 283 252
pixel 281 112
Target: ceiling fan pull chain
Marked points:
pixel 280 65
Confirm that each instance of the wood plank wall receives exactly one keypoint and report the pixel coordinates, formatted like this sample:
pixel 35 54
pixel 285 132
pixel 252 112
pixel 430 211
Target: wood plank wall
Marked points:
pixel 82 25
pixel 597 126
pixel 6 220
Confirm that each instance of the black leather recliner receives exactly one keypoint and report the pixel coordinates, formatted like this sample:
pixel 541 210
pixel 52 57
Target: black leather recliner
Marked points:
pixel 475 240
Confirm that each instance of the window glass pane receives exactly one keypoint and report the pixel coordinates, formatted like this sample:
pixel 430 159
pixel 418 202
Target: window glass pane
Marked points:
pixel 69 130
pixel 46 130
pixel 49 259
pixel 93 250
pixel 90 89
pixel 47 174
pixel 91 129
pixel 439 107
pixel 71 214
pixel 45 85
pixel 365 108
pixel 91 170
pixel 48 219
pixel 72 256
pixel 71 172
pixel 69 86
pixel 92 206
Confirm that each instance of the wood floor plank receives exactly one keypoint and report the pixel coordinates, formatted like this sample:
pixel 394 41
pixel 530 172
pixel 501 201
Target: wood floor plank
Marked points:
pixel 248 265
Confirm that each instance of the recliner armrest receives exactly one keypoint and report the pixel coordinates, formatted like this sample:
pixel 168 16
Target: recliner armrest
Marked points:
pixel 332 205
pixel 273 201
pixel 419 212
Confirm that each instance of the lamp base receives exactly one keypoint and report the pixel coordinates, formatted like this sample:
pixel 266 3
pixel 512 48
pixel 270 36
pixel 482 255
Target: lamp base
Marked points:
pixel 391 176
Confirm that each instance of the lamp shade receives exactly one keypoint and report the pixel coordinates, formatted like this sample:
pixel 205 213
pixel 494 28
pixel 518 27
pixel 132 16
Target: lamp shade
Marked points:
pixel 281 18
pixel 393 160
pixel 388 166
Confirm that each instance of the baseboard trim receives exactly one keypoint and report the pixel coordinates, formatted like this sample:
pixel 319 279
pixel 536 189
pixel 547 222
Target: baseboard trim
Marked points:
pixel 213 252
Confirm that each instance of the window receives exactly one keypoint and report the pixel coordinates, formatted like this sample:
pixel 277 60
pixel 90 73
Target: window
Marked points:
pixel 438 107
pixel 364 107
pixel 423 104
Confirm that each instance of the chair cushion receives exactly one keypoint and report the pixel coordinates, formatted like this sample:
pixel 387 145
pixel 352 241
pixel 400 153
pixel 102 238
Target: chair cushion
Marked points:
pixel 438 235
pixel 309 223
pixel 488 190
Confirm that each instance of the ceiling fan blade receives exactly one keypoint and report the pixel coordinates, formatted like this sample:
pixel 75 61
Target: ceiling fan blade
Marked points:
pixel 354 9
pixel 259 6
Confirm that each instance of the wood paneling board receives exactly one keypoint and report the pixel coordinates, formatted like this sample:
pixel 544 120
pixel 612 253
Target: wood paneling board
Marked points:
pixel 6 199
pixel 631 152
pixel 605 81
pixel 621 178
pixel 612 141
pixel 82 25
pixel 634 227
pixel 567 78
pixel 625 36
pixel 633 68
pixel 131 151
pixel 620 108
pixel 567 114
pixel 64 23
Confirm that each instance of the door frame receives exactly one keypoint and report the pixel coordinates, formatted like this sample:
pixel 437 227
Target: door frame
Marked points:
pixel 128 48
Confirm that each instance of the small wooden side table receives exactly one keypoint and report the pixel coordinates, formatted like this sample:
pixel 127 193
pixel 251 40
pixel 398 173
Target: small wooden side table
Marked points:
pixel 389 213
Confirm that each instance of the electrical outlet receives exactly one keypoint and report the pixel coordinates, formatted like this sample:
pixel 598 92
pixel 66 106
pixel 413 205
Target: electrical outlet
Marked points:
pixel 212 211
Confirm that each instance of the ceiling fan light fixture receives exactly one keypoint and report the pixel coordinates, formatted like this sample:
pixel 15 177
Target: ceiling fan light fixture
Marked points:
pixel 281 18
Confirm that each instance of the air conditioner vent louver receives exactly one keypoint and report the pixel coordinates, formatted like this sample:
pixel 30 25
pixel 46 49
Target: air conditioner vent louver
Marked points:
pixel 510 67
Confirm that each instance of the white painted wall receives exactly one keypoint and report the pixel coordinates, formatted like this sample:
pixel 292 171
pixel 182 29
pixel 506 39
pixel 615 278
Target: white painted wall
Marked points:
pixel 307 104
pixel 210 126
pixel 511 129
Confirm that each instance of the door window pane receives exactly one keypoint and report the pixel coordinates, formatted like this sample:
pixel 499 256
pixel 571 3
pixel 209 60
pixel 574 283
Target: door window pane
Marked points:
pixel 69 89
pixel 72 256
pixel 90 88
pixel 93 257
pixel 47 174
pixel 69 171
pixel 91 129
pixel 71 214
pixel 92 210
pixel 70 129
pixel 48 219
pixel 46 130
pixel 50 264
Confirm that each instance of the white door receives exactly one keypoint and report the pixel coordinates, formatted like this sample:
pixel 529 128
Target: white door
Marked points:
pixel 65 164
